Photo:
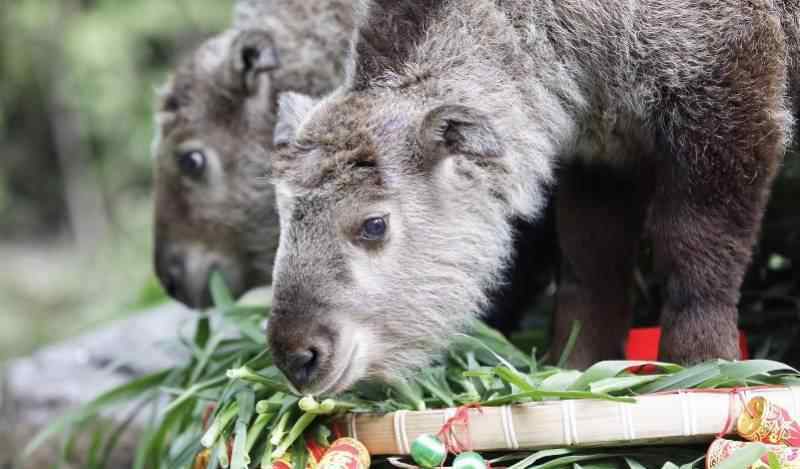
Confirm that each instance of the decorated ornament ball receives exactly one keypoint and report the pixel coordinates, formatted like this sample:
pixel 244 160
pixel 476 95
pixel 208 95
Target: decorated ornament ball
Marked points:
pixel 428 451
pixel 469 460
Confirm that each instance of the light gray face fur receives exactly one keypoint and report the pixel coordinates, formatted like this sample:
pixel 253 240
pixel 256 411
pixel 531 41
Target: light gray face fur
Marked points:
pixel 223 107
pixel 440 160
pixel 219 216
pixel 434 173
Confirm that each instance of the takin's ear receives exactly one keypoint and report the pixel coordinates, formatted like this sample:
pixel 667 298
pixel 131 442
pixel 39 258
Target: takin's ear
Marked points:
pixel 167 103
pixel 292 109
pixel 453 129
pixel 386 36
pixel 252 52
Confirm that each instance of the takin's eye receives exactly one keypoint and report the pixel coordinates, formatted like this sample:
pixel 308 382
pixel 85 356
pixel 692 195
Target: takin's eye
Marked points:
pixel 373 229
pixel 192 163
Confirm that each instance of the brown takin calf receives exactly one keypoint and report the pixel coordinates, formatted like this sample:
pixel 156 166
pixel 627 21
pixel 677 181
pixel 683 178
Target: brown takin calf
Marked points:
pixel 396 193
pixel 214 206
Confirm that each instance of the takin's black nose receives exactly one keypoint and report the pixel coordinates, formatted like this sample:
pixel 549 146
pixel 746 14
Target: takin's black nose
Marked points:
pixel 171 271
pixel 301 345
pixel 301 366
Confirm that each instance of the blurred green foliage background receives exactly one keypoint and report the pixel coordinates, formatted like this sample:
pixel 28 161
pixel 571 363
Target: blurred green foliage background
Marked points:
pixel 77 81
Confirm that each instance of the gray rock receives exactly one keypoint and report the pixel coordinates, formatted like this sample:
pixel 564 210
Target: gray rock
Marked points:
pixel 37 389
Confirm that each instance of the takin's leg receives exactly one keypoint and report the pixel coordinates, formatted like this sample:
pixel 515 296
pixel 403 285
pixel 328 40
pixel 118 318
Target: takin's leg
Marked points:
pixel 710 197
pixel 704 226
pixel 599 213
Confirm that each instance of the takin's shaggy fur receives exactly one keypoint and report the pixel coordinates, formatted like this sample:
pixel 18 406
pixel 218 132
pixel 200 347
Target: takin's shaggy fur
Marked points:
pixel 213 202
pixel 229 222
pixel 397 192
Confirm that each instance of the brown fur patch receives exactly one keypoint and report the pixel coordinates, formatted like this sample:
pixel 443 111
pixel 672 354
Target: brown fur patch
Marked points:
pixel 702 84
pixel 389 35
pixel 343 150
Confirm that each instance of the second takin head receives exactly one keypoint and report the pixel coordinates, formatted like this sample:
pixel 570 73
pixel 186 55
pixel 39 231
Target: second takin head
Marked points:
pixel 214 206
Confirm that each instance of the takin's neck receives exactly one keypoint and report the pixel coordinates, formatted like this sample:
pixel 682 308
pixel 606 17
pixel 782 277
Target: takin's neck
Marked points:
pixel 531 65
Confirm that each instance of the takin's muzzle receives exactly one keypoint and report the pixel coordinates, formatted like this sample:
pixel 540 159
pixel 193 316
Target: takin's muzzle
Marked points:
pixel 184 271
pixel 303 347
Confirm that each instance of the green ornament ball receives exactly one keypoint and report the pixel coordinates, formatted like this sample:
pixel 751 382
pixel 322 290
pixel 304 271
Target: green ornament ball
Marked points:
pixel 469 460
pixel 428 451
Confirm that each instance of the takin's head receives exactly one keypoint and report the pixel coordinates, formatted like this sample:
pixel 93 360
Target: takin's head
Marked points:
pixel 214 206
pixel 394 227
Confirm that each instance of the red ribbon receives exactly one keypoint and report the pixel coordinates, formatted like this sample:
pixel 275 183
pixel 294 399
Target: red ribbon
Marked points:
pixel 731 419
pixel 338 430
pixel 448 432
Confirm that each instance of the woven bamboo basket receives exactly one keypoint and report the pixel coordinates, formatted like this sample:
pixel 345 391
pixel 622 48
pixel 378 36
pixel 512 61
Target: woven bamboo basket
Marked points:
pixel 676 418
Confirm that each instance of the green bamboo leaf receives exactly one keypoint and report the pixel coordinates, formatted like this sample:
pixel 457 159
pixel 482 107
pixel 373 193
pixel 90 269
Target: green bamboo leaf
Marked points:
pixel 156 443
pixel 539 455
pixel 534 364
pixel 691 465
pixel 248 327
pixel 141 455
pixel 786 381
pixel 322 435
pixel 124 393
pixel 261 361
pixel 743 457
pixel 582 395
pixel 623 383
pixel 560 381
pixel 260 297
pixel 409 392
pixel 206 355
pixel 540 395
pixel 266 456
pixel 257 429
pixel 570 345
pixel 498 343
pixel 246 374
pixel 245 400
pixel 240 459
pixel 514 378
pixel 634 464
pixel 93 453
pixel 222 454
pixel 744 370
pixel 193 390
pixel 751 372
pixel 202 332
pixel 299 454
pixel 294 434
pixel 566 460
pixel 686 379
pixel 220 293
pixel 434 381
pixel 185 456
pixel 118 430
pixel 612 368
pixel 213 462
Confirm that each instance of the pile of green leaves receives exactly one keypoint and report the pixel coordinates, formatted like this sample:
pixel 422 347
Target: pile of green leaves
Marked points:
pixel 230 398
